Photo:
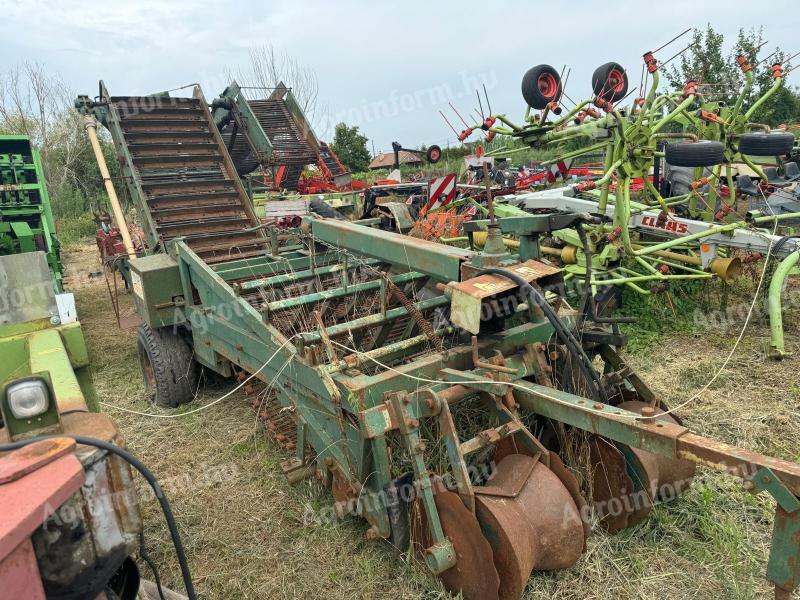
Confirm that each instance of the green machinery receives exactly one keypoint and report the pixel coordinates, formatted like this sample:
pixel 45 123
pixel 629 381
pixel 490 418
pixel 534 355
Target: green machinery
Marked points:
pixel 697 229
pixel 46 389
pixel 435 389
pixel 26 218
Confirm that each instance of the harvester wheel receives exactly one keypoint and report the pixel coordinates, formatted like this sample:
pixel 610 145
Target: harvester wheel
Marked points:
pixel 433 154
pixel 541 85
pixel 168 366
pixel 774 143
pixel 705 153
pixel 610 82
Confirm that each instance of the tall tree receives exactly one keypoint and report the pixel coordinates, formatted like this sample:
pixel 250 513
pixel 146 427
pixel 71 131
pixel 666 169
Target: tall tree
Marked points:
pixel 267 67
pixel 704 62
pixel 351 147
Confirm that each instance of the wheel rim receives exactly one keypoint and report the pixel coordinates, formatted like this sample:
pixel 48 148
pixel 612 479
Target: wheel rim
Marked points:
pixel 435 155
pixel 616 81
pixel 547 85
pixel 147 372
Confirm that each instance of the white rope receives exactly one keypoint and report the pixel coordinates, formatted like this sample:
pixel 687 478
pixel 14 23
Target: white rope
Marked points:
pixel 212 403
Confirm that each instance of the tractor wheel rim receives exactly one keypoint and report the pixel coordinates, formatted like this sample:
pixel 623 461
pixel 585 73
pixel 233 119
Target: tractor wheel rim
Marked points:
pixel 149 373
pixel 435 154
pixel 616 81
pixel 547 85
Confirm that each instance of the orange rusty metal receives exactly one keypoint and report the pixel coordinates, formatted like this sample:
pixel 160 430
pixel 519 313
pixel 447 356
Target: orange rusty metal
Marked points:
pixel 438 224
pixel 610 483
pixel 531 521
pixel 627 481
pixel 669 475
pixel 29 458
pixel 473 575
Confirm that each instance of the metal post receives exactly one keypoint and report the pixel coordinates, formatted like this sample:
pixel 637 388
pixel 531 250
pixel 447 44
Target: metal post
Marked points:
pixel 91 128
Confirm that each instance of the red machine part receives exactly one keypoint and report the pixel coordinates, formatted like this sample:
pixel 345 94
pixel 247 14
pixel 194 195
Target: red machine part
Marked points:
pixel 745 66
pixel 327 162
pixel 34 482
pixel 109 242
pixel 650 61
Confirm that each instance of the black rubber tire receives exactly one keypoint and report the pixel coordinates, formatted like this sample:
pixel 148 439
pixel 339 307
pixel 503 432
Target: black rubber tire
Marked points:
pixel 705 153
pixel 774 143
pixel 323 209
pixel 610 82
pixel 434 154
pixel 541 85
pixel 168 366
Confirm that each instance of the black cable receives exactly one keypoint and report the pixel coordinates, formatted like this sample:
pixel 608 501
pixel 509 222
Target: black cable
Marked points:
pixel 149 561
pixel 564 334
pixel 782 242
pixel 139 466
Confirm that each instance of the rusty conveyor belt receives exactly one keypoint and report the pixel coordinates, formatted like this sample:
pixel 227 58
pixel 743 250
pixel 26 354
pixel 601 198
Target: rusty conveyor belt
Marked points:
pixel 291 147
pixel 189 189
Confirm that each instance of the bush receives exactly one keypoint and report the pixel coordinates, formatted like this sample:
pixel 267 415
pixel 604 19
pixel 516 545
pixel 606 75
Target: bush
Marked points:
pixel 75 229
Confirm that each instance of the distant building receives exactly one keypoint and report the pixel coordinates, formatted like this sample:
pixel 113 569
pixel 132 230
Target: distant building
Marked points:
pixel 386 160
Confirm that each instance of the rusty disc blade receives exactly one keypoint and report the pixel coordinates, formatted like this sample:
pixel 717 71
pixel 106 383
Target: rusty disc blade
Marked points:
pixel 668 476
pixel 530 520
pixel 474 574
pixel 611 485
pixel 574 488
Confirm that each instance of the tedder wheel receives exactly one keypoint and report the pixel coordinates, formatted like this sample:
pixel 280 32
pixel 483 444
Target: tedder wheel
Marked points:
pixel 774 143
pixel 541 85
pixel 168 366
pixel 610 82
pixel 704 153
pixel 434 154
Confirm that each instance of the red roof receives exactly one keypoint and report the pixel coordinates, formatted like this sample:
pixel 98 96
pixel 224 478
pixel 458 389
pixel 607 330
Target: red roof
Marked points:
pixel 386 160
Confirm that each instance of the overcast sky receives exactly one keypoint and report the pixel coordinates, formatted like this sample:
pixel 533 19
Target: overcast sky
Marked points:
pixel 388 67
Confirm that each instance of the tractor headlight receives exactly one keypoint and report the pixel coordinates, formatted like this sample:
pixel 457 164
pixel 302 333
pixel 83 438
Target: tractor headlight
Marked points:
pixel 28 398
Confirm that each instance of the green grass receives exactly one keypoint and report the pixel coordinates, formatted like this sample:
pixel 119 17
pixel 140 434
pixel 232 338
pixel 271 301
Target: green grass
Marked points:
pixel 75 230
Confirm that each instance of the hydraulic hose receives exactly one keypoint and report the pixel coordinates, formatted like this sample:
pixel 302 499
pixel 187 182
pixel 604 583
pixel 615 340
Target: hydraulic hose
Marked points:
pixel 146 473
pixel 564 334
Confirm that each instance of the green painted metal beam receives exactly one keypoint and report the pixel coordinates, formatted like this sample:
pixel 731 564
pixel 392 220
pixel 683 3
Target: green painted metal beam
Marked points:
pixel 441 262
pixel 341 292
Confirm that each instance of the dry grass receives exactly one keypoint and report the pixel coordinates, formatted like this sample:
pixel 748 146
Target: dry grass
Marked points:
pixel 244 529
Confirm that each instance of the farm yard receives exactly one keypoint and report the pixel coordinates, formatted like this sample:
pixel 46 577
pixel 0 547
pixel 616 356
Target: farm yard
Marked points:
pixel 238 513
pixel 519 320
